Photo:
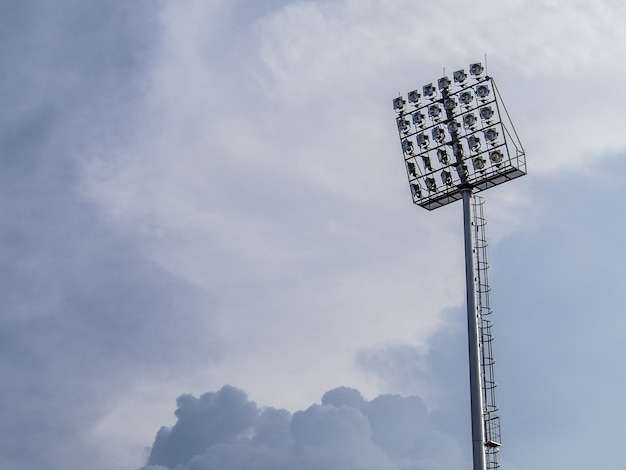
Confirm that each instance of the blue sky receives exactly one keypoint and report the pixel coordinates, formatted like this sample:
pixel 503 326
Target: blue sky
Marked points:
pixel 213 193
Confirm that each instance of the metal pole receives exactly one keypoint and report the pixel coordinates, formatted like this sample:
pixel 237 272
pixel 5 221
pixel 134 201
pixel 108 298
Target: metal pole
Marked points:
pixel 478 444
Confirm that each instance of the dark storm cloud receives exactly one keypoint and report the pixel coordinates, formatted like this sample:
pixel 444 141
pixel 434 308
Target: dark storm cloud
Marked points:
pixel 224 430
pixel 82 309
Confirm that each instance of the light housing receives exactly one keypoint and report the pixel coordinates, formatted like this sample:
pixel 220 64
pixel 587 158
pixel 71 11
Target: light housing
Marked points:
pixel 422 140
pixel 398 104
pixel 469 120
pixel 418 119
pixel 434 110
pixel 438 134
pixel 429 91
pixel 476 69
pixel 486 113
pixel 443 157
pixel 413 97
pixel 496 157
pixel 430 184
pixel 478 163
pixel 466 97
pixel 446 177
pixel 459 76
pixel 491 134
pixel 482 91
pixel 403 125
pixel 453 126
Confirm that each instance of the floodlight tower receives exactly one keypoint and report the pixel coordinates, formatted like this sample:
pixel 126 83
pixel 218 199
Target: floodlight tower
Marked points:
pixel 457 140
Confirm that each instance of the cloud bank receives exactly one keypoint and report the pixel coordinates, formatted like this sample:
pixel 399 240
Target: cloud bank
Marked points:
pixel 224 430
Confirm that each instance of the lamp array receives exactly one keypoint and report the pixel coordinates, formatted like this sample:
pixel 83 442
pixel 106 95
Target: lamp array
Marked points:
pixel 452 134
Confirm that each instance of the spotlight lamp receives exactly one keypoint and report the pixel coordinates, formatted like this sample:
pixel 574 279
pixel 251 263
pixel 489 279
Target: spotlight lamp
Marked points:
pixel 416 190
pixel 404 126
pixel 459 126
pixel 398 104
pixel 438 134
pixel 496 157
pixel 459 76
pixel 429 91
pixel 482 91
pixel 473 142
pixel 486 113
pixel 434 111
pixel 418 119
pixel 466 98
pixel 427 163
pixel 491 135
pixel 442 155
pixel 430 184
pixel 469 120
pixel 476 69
pixel 446 177
pixel 453 126
pixel 479 163
pixel 449 104
pixel 422 140
pixel 413 97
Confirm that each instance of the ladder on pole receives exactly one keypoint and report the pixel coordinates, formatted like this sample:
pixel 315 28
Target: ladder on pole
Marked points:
pixel 483 310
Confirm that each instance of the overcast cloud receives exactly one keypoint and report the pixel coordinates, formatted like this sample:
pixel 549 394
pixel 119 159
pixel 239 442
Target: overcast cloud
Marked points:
pixel 207 199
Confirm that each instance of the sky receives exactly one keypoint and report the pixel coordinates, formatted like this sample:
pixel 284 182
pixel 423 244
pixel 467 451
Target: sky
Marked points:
pixel 209 258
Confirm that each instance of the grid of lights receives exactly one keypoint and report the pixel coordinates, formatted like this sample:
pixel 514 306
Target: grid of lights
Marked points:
pixel 457 134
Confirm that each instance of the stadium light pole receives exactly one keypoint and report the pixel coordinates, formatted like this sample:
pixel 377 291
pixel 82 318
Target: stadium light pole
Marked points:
pixel 457 140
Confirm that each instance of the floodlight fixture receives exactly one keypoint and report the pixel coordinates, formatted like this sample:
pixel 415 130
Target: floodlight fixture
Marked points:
pixel 459 76
pixel 404 126
pixel 486 113
pixel 453 126
pixel 434 110
pixel 430 184
pixel 473 141
pixel 467 170
pixel 476 69
pixel 462 171
pixel 438 134
pixel 479 163
pixel 469 120
pixel 418 119
pixel 466 97
pixel 482 91
pixel 429 91
pixel 422 140
pixel 449 104
pixel 491 135
pixel 398 104
pixel 446 177
pixel 413 97
pixel 412 169
pixel 427 164
pixel 496 157
pixel 443 157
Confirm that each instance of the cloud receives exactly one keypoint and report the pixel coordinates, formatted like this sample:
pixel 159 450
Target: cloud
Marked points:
pixel 224 430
